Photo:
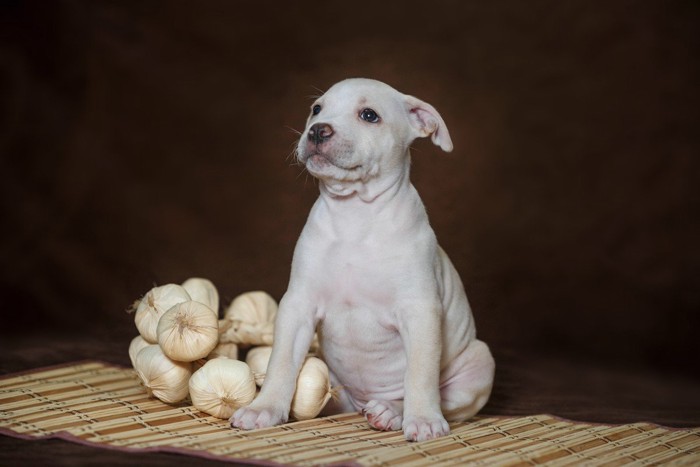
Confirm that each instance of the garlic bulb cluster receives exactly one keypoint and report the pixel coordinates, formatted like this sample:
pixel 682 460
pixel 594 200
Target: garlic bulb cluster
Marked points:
pixel 188 331
pixel 250 319
pixel 313 389
pixel 163 378
pixel 174 330
pixel 153 305
pixel 221 386
pixel 183 349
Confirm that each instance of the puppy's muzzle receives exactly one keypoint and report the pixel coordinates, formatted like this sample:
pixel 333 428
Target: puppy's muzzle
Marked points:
pixel 320 133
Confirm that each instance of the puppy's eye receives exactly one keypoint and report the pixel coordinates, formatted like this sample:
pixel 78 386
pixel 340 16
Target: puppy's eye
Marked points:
pixel 369 115
pixel 316 109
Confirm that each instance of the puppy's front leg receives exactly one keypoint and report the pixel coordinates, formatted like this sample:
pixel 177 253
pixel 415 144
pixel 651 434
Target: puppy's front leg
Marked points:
pixel 421 335
pixel 294 330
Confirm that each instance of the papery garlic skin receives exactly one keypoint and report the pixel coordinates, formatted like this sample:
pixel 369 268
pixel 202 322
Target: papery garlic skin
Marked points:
pixel 137 344
pixel 163 378
pixel 153 305
pixel 188 331
pixel 313 389
pixel 252 307
pixel 250 319
pixel 257 359
pixel 203 291
pixel 222 386
pixel 228 350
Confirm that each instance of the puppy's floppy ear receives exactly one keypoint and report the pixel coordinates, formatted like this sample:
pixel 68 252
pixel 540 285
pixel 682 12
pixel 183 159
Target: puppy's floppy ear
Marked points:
pixel 426 121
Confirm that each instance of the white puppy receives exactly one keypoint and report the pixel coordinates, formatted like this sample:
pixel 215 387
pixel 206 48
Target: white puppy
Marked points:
pixel 392 316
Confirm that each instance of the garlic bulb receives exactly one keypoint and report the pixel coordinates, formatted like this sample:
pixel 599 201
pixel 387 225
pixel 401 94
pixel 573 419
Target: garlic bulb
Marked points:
pixel 257 359
pixel 164 378
pixel 188 331
pixel 203 291
pixel 137 343
pixel 152 306
pixel 227 350
pixel 249 320
pixel 221 386
pixel 313 389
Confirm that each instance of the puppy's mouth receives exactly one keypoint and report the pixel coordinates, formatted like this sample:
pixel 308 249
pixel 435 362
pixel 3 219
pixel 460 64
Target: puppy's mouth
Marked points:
pixel 317 162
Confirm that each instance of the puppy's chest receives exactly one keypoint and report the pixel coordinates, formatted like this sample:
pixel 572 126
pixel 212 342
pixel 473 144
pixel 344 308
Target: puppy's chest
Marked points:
pixel 356 276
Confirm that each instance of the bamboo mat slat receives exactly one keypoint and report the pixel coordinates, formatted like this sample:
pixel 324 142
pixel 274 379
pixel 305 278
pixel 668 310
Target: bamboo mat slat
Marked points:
pixel 104 405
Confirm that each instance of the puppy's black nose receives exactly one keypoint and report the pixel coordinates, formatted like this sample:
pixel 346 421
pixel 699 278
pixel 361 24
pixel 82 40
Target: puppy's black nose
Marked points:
pixel 320 132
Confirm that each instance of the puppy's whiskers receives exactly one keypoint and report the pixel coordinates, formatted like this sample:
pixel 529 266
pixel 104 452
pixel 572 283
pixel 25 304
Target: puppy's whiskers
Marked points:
pixel 293 130
pixel 292 157
pixel 316 96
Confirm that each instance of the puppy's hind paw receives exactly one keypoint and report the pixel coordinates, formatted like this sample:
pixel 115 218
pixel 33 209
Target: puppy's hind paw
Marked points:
pixel 425 428
pixel 384 415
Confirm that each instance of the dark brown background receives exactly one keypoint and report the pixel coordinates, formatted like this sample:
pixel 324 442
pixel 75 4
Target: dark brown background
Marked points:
pixel 146 142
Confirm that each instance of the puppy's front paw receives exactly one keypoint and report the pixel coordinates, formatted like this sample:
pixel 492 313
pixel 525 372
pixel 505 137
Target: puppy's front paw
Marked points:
pixel 425 428
pixel 383 415
pixel 249 418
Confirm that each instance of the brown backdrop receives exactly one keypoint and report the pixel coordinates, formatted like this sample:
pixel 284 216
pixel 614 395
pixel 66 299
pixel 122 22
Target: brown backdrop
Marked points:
pixel 145 142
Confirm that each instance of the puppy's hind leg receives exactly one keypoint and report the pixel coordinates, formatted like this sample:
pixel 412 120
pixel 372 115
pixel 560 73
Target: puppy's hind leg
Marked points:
pixel 468 388
pixel 381 415
pixel 384 415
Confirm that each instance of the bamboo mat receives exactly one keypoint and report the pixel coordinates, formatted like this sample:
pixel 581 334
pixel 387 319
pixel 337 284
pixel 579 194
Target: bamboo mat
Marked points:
pixel 104 405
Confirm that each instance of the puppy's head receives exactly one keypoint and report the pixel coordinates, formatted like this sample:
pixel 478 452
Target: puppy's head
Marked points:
pixel 360 130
